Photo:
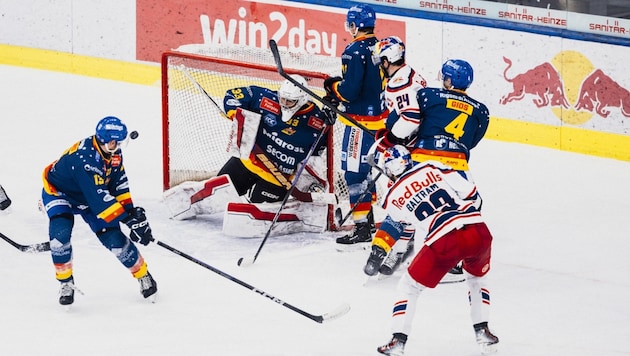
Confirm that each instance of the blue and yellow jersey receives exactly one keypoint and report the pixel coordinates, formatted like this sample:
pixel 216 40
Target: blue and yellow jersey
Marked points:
pixel 452 113
pixel 89 177
pixel 361 91
pixel 284 144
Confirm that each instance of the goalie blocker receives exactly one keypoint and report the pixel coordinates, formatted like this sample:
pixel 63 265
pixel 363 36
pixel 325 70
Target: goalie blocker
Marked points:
pixel 248 211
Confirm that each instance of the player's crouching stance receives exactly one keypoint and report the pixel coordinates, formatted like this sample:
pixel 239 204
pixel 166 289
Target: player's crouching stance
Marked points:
pixel 89 179
pixel 443 206
pixel 274 132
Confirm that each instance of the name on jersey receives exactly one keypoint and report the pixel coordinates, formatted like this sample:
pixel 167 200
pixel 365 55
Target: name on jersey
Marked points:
pixel 459 106
pixel 281 143
pixel 458 97
pixel 416 190
pixel 270 105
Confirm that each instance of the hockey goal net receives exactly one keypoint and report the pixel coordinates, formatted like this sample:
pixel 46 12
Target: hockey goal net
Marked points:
pixel 196 132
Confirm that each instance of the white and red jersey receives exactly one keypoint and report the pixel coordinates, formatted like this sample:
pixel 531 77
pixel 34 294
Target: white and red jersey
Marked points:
pixel 435 199
pixel 400 96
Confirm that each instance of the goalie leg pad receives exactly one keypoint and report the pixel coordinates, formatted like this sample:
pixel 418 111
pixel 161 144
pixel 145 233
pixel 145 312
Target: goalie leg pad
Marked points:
pixel 189 199
pixel 254 220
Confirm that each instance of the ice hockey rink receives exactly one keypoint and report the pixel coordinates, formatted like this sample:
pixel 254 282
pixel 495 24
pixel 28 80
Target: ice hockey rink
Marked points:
pixel 560 268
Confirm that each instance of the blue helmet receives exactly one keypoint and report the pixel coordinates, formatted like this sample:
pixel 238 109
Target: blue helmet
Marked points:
pixel 361 16
pixel 109 129
pixel 460 72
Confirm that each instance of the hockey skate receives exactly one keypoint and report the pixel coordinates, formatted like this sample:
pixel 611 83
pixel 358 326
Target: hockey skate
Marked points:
pixel 455 275
pixel 358 239
pixel 148 287
pixel 395 347
pixel 374 261
pixel 486 339
pixel 66 293
pixel 5 202
pixel 395 259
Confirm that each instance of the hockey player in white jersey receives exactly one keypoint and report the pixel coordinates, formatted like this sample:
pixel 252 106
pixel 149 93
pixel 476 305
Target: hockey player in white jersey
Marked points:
pixel 403 83
pixel 443 205
pixel 275 131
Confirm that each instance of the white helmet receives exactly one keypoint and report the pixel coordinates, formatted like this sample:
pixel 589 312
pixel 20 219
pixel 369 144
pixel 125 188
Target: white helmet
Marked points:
pixel 291 97
pixel 396 161
pixel 391 48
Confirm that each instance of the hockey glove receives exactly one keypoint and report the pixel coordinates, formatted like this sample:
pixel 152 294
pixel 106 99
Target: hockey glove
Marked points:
pixel 329 83
pixel 139 226
pixel 329 116
pixel 383 138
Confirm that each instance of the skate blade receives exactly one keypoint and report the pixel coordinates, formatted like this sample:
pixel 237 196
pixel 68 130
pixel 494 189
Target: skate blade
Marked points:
pixel 453 281
pixel 152 298
pixel 361 246
pixel 489 349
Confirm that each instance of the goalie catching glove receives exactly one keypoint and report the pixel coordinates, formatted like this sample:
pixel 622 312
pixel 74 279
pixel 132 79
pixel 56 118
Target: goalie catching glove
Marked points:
pixel 139 226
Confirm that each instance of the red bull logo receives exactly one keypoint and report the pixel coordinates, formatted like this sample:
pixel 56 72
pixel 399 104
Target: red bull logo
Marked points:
pixel 542 81
pixel 583 91
pixel 600 92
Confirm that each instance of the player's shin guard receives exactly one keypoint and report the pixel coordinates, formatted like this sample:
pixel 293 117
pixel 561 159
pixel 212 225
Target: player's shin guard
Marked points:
pixel 407 293
pixel 254 220
pixel 479 298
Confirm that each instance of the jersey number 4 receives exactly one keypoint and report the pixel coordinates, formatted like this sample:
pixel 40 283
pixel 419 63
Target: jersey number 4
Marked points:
pixel 456 127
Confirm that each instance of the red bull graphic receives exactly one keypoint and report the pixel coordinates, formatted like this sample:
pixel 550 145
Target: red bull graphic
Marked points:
pixel 599 92
pixel 542 81
pixel 584 90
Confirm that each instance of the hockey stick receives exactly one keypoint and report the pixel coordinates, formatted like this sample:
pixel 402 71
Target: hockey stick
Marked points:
pixel 276 56
pixel 201 89
pixel 336 313
pixel 34 248
pixel 242 261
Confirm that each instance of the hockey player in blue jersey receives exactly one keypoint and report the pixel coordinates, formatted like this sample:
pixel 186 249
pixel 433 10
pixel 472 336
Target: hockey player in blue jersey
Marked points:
pixel 89 179
pixel 282 125
pixel 360 95
pixel 451 122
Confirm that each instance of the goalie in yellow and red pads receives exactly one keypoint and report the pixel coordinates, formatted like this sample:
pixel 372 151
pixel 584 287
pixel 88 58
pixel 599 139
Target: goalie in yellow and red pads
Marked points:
pixel 273 134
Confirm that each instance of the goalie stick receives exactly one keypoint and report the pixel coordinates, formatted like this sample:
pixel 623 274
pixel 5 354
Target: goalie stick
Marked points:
pixel 276 56
pixel 242 261
pixel 334 314
pixel 34 248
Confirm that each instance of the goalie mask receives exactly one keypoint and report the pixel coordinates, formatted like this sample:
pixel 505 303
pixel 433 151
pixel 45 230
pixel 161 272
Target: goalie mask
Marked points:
pixel 291 97
pixel 396 161
pixel 110 129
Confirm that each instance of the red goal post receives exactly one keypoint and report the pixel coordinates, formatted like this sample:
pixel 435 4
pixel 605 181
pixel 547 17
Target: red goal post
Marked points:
pixel 196 132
